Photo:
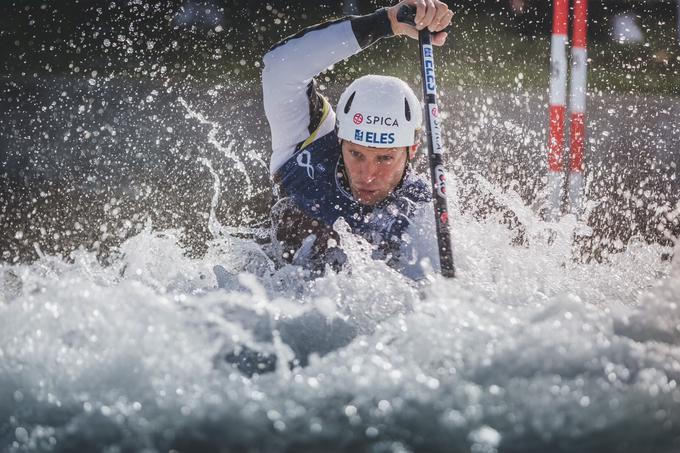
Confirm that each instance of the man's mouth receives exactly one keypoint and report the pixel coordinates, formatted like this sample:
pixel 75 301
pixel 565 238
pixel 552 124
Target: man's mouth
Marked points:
pixel 366 196
pixel 365 193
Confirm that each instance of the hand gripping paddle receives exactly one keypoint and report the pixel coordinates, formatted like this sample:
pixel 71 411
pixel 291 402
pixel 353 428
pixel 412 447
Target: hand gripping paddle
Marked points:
pixel 407 14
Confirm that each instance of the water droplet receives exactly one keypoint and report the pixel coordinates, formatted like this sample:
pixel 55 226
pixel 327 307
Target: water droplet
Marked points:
pixel 21 434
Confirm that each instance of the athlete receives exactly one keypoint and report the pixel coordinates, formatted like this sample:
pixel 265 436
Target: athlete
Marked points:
pixel 351 163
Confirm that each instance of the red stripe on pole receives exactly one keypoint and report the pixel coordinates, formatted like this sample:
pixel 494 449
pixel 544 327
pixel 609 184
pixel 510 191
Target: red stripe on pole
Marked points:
pixel 560 16
pixel 578 135
pixel 580 23
pixel 556 137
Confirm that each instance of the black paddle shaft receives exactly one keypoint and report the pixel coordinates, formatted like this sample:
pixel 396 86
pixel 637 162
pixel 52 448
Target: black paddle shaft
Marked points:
pixel 406 14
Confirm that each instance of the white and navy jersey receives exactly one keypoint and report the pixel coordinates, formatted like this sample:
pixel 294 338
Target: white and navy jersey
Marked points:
pixel 306 163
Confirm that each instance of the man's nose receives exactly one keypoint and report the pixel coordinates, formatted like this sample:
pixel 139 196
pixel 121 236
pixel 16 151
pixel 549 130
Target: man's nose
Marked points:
pixel 369 172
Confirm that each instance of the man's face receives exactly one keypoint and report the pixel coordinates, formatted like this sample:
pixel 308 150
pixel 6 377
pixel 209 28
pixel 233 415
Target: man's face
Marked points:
pixel 373 172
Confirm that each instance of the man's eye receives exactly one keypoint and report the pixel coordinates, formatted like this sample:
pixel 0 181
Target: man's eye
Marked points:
pixel 355 154
pixel 385 158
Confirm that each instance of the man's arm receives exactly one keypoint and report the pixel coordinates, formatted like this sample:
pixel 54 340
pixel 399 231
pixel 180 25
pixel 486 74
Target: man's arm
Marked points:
pixel 296 112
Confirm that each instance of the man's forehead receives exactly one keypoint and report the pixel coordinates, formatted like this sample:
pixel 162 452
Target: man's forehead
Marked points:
pixel 372 149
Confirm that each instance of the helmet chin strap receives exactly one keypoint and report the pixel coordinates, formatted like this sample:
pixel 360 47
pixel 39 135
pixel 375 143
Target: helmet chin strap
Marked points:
pixel 343 167
pixel 407 166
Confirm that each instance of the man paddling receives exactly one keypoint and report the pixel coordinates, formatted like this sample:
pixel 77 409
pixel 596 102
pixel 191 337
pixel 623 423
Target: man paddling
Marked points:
pixel 351 163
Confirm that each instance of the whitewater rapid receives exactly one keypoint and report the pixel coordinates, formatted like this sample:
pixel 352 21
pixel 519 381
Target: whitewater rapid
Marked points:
pixel 528 349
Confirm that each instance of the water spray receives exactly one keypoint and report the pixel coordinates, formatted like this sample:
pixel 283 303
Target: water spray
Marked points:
pixel 435 146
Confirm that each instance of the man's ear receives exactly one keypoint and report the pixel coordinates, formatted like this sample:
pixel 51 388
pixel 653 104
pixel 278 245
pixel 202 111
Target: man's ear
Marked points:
pixel 412 150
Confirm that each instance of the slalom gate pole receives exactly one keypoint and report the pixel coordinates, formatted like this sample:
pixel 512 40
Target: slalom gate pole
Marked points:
pixel 577 104
pixel 558 88
pixel 406 14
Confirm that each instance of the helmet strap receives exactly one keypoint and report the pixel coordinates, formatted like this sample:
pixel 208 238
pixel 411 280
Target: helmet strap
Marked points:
pixel 407 166
pixel 345 177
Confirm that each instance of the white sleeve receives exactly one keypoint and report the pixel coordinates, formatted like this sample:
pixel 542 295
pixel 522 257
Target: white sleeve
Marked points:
pixel 296 112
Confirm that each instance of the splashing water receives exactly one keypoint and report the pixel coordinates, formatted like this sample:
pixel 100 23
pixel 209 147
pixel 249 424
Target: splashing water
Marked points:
pixel 226 151
pixel 526 351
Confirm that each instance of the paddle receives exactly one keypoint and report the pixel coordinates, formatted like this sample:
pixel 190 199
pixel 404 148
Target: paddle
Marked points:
pixel 407 14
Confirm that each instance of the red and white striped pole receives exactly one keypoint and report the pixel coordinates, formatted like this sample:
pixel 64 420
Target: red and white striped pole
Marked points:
pixel 558 89
pixel 577 103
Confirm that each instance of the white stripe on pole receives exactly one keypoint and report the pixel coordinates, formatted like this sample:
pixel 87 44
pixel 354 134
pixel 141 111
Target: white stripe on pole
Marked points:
pixel 576 192
pixel 558 70
pixel 555 184
pixel 578 88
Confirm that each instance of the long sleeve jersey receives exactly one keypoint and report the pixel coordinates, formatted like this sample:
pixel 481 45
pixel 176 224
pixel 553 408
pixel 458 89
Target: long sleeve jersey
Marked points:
pixel 306 163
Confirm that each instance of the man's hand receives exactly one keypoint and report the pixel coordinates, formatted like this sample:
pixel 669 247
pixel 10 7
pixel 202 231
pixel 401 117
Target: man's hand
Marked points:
pixel 433 14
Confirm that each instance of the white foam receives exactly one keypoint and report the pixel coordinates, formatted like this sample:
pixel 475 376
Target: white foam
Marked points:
pixel 526 347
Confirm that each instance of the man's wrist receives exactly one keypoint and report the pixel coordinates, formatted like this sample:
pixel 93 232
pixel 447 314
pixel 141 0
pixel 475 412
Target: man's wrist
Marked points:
pixel 371 27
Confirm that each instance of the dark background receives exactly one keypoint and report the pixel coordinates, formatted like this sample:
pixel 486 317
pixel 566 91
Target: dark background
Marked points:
pixel 38 35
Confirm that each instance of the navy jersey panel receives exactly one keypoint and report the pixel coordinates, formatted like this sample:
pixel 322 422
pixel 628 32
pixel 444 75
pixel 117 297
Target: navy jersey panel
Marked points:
pixel 314 179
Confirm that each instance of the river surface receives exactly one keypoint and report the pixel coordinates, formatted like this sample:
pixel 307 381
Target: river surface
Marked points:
pixel 120 196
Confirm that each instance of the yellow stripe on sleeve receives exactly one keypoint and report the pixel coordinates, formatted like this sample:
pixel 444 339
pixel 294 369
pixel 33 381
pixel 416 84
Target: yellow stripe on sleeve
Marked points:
pixel 324 114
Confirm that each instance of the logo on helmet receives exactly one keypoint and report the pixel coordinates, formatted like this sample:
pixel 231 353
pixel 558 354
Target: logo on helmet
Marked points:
pixel 358 118
pixel 375 138
pixel 382 121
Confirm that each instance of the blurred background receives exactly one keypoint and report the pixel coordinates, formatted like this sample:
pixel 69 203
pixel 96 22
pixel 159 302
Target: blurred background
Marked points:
pixel 123 113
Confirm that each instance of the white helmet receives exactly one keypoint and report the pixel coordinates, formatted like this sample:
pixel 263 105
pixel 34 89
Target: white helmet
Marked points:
pixel 379 111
